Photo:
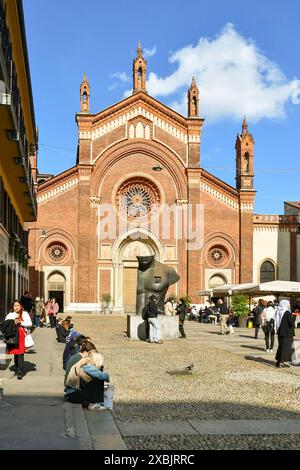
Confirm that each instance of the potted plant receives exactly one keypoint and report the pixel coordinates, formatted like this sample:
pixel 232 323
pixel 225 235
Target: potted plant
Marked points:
pixel 240 308
pixel 106 299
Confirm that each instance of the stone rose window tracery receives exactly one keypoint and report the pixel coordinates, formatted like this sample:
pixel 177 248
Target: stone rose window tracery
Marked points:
pixel 57 252
pixel 218 255
pixel 137 198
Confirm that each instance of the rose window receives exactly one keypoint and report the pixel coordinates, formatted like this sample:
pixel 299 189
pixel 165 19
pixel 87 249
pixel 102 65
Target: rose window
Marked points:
pixel 137 198
pixel 217 255
pixel 57 252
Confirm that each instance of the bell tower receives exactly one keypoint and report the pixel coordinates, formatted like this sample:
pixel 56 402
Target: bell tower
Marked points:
pixel 244 159
pixel 85 95
pixel 139 71
pixel 193 100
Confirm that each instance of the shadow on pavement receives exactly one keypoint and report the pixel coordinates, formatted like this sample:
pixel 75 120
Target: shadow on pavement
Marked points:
pixel 252 347
pixel 262 360
pixel 247 336
pixel 28 367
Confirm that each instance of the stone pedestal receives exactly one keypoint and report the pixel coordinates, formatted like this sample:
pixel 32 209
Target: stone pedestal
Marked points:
pixel 136 328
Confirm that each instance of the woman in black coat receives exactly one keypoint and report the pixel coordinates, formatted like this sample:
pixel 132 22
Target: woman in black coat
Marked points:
pixel 285 329
pixel 181 311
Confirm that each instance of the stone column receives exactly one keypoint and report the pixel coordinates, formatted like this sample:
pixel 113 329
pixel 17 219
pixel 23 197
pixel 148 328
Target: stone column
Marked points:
pixel 94 207
pixel 84 294
pixel 246 236
pixel 118 288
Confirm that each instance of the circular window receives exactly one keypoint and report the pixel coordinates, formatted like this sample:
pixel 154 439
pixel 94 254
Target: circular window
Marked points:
pixel 218 255
pixel 57 252
pixel 137 198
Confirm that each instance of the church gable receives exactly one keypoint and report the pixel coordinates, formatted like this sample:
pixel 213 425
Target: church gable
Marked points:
pixel 139 116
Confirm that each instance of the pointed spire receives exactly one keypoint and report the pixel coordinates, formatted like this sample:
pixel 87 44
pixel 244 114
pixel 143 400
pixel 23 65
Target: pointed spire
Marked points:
pixel 193 99
pixel 140 50
pixel 193 84
pixel 139 71
pixel 85 95
pixel 245 125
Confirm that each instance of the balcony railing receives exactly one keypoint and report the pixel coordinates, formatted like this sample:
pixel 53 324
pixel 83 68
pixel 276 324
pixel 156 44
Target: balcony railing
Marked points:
pixel 276 219
pixel 5 42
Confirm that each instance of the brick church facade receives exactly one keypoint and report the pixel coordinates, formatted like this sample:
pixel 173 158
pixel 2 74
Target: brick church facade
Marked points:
pixel 133 156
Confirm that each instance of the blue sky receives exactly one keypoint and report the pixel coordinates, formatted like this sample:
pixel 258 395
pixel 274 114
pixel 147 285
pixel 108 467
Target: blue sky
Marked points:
pixel 245 58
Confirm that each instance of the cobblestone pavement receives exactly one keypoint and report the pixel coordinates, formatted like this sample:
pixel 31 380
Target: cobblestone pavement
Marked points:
pixel 223 385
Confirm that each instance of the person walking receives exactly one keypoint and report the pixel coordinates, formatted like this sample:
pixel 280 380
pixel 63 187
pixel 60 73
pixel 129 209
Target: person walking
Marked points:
pixel 52 310
pixel 285 329
pixel 268 326
pixel 223 316
pixel 39 307
pixel 18 321
pixel 181 311
pixel 43 317
pixel 257 311
pixel 231 321
pixel 152 315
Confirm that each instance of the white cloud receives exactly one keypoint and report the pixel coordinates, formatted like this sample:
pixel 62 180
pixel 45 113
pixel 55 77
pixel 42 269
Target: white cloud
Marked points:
pixel 113 86
pixel 149 52
pixel 234 78
pixel 122 76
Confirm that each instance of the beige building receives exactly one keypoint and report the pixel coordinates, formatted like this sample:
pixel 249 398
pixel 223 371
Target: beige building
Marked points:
pixel 276 246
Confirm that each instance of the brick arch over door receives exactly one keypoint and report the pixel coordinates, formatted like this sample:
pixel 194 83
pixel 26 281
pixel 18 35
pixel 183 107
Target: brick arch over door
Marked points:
pixel 162 156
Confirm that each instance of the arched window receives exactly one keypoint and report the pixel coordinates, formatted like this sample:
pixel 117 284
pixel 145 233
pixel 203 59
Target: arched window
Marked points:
pixel 194 106
pixel 140 76
pixel 267 272
pixel 217 281
pixel 247 162
pixel 84 96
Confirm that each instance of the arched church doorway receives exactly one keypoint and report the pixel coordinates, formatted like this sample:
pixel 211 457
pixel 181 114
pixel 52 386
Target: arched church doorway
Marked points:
pixel 130 264
pixel 217 280
pixel 56 288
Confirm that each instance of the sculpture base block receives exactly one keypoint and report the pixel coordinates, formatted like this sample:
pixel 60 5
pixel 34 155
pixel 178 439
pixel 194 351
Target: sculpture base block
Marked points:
pixel 136 327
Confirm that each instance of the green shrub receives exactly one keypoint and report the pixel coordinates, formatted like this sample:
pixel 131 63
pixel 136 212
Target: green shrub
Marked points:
pixel 239 305
pixel 187 300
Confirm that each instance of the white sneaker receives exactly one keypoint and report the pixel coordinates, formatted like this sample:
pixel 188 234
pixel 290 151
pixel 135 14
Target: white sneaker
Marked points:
pixel 268 350
pixel 271 351
pixel 96 407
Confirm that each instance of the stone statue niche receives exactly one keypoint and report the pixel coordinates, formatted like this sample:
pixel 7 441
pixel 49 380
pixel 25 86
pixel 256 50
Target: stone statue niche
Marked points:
pixel 153 278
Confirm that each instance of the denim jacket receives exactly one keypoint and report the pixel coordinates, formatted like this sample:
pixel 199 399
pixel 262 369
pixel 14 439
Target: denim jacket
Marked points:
pixel 93 372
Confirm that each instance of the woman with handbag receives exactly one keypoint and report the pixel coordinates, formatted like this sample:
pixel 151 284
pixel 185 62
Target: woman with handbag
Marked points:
pixel 22 321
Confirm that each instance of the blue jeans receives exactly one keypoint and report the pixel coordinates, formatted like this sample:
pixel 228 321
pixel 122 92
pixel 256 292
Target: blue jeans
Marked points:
pixel 37 320
pixel 154 329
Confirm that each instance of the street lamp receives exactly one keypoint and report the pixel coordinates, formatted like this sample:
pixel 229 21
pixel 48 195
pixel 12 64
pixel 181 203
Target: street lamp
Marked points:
pixel 43 231
pixel 157 168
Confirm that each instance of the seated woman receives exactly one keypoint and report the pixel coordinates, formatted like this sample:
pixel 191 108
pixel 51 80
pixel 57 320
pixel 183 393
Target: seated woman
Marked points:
pixel 85 347
pixel 62 330
pixel 72 347
pixel 85 382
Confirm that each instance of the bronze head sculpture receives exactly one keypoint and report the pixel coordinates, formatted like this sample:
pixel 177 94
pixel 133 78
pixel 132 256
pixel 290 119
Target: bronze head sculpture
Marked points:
pixel 154 278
